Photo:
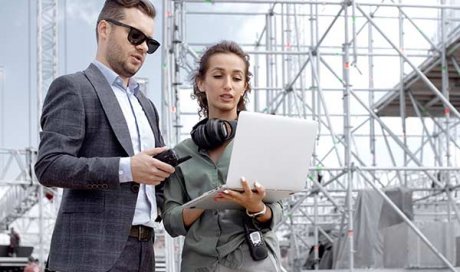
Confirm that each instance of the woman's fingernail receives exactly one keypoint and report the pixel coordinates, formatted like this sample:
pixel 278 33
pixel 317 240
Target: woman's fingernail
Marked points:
pixel 225 191
pixel 243 179
pixel 257 184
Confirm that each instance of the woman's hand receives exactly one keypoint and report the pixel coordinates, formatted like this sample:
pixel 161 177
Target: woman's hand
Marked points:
pixel 249 199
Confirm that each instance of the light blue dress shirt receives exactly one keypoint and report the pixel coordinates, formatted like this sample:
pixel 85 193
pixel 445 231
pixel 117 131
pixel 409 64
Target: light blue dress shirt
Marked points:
pixel 141 133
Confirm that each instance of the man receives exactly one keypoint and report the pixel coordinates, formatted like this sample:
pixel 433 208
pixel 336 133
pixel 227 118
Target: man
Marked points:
pixel 15 239
pixel 99 135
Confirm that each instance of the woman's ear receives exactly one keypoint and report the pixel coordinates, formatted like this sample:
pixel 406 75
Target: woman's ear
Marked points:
pixel 246 87
pixel 200 86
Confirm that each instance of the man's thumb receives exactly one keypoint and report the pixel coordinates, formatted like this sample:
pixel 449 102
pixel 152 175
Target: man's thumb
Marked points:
pixel 156 150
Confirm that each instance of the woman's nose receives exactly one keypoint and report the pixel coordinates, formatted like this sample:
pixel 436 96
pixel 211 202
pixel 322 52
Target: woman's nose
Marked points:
pixel 227 82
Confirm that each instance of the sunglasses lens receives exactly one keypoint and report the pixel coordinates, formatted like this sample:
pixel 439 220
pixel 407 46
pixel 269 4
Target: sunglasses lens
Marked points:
pixel 136 37
pixel 152 45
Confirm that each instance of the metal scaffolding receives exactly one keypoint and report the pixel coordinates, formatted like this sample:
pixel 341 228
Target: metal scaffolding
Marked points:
pixel 380 77
pixel 343 64
pixel 24 203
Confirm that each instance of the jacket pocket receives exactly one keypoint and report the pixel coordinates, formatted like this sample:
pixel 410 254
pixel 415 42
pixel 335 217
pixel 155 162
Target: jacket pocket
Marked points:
pixel 83 201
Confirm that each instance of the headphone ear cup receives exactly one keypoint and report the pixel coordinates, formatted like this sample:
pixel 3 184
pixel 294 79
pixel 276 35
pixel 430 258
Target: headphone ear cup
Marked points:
pixel 216 132
pixel 204 134
pixel 232 125
pixel 198 134
pixel 211 133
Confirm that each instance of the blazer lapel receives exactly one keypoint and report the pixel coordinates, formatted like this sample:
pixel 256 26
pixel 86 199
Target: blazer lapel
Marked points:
pixel 111 107
pixel 151 116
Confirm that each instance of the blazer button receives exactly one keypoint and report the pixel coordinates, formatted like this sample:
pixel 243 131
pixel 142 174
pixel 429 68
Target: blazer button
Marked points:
pixel 135 187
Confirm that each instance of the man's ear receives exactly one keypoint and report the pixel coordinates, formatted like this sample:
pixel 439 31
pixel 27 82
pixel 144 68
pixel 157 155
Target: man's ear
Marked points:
pixel 103 29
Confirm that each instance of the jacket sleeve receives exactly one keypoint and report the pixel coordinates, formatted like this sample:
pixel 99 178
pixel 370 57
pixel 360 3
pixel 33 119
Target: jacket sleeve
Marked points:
pixel 277 216
pixel 175 196
pixel 62 137
pixel 159 189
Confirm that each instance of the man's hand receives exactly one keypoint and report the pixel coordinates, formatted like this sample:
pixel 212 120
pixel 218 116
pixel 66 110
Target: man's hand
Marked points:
pixel 146 169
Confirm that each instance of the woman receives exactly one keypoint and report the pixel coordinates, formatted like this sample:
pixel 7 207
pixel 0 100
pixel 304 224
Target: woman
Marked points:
pixel 215 239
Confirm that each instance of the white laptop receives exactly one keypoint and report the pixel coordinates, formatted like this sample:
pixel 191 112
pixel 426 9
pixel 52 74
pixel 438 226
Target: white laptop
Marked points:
pixel 271 149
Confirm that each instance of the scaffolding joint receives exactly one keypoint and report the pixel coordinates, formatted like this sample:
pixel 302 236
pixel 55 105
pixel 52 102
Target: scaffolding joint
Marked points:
pixel 314 51
pixel 448 188
pixel 314 191
pixel 353 168
pixel 347 3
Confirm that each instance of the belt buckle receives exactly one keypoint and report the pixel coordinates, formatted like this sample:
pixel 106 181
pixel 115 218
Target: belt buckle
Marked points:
pixel 139 233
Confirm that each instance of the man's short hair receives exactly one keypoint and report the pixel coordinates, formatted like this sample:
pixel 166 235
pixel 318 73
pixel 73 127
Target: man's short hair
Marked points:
pixel 114 9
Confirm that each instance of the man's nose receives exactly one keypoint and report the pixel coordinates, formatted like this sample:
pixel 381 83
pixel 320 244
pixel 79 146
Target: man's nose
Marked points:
pixel 143 46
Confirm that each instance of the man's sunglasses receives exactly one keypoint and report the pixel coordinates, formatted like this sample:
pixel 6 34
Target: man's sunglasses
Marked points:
pixel 136 37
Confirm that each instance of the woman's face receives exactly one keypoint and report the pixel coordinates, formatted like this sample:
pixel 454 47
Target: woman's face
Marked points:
pixel 224 85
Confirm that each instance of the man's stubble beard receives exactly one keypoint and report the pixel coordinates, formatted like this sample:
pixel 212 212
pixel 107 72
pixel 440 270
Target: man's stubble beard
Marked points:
pixel 115 59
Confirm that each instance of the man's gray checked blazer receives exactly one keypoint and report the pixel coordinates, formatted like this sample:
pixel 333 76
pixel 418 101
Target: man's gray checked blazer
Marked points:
pixel 84 135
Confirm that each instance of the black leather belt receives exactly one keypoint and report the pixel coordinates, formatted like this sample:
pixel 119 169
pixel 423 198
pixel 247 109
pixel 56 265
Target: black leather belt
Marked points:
pixel 141 232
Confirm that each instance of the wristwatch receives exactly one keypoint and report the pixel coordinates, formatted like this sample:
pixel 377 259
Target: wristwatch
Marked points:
pixel 257 214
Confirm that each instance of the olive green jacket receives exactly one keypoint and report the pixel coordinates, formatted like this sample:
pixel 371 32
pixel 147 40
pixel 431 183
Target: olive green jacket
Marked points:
pixel 218 234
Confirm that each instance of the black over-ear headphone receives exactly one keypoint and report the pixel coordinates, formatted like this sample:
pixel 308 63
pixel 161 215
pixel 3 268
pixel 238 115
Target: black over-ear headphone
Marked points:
pixel 212 133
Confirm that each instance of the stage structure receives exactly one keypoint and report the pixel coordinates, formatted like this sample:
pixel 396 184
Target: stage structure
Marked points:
pixel 381 78
pixel 26 205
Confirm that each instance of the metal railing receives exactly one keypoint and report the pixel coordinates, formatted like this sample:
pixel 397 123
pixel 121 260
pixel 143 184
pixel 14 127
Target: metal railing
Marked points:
pixel 20 190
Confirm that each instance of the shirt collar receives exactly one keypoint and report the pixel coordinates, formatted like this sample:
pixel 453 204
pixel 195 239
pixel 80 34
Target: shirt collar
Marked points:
pixel 115 80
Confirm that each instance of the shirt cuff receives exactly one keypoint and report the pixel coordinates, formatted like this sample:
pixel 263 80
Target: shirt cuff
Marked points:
pixel 124 170
pixel 176 222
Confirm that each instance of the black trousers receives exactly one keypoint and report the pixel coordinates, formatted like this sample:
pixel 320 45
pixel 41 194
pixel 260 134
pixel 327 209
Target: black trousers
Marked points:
pixel 137 256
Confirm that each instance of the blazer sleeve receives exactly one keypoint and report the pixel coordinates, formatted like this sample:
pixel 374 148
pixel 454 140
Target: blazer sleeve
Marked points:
pixel 159 189
pixel 175 196
pixel 62 137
